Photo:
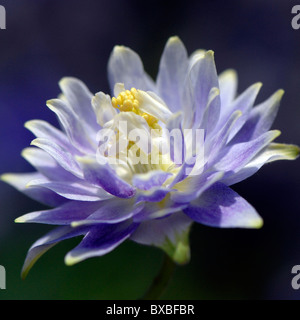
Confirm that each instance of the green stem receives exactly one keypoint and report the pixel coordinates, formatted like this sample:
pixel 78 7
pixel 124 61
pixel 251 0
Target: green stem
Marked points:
pixel 161 281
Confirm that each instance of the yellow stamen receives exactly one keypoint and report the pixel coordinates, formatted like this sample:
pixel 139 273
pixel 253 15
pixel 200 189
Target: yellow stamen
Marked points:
pixel 128 100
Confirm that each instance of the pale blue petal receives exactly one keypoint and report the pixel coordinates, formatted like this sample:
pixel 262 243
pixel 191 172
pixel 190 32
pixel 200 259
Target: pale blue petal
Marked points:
pixel 77 132
pixel 228 87
pixel 63 215
pixel 125 66
pixel 80 191
pixel 48 241
pixel 20 182
pixel 42 129
pixel 100 240
pixel 80 98
pixel 260 119
pixel 220 206
pixel 63 157
pixel 238 155
pixel 46 165
pixel 104 176
pixel 172 73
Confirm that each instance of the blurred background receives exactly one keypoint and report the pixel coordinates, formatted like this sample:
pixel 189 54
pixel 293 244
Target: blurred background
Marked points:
pixel 46 40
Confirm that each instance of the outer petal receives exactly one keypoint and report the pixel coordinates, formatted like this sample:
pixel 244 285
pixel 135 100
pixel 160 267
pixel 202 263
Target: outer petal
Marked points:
pixel 79 97
pixel 169 233
pixel 228 87
pixel 63 215
pixel 46 165
pixel 63 157
pixel 20 182
pixel 172 73
pixel 238 155
pixel 42 129
pixel 80 191
pixel 260 119
pixel 48 241
pixel 100 240
pixel 125 66
pixel 220 206
pixel 203 77
pixel 273 152
pixel 75 128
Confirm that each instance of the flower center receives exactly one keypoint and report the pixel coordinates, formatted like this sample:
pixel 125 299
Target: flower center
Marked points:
pixel 129 100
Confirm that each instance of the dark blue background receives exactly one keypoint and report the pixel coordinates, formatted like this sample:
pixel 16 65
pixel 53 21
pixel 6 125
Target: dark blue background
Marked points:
pixel 46 40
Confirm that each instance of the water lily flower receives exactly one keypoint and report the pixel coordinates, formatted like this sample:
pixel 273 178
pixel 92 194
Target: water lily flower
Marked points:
pixel 107 186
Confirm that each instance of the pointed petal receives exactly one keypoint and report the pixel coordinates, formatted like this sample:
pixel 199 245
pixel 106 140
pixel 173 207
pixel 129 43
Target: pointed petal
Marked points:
pixel 46 165
pixel 20 182
pixel 42 129
pixel 203 77
pixel 48 241
pixel 78 134
pixel 100 240
pixel 79 98
pixel 125 66
pixel 273 152
pixel 112 211
pixel 172 73
pixel 238 155
pixel 170 234
pixel 80 191
pixel 260 119
pixel 63 157
pixel 220 206
pixel 63 215
pixel 228 87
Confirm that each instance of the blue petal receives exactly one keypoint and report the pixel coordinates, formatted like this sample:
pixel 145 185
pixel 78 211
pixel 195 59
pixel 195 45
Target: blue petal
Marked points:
pixel 20 182
pixel 125 66
pixel 77 132
pixel 42 129
pixel 172 73
pixel 80 191
pixel 260 119
pixel 48 241
pixel 62 156
pixel 63 215
pixel 238 155
pixel 46 165
pixel 100 240
pixel 203 77
pixel 104 176
pixel 220 206
pixel 112 211
pixel 273 152
pixel 79 98
pixel 228 87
